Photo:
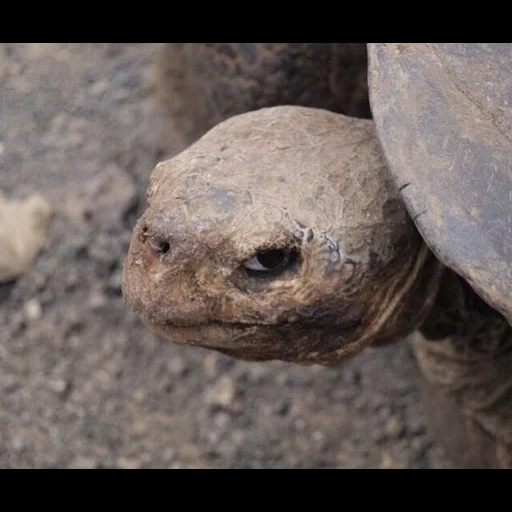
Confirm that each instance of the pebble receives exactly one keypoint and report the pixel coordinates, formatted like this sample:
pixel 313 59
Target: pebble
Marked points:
pixel 121 94
pixel 222 420
pixel 140 396
pixel 23 234
pixel 99 88
pixel 177 367
pixel 395 429
pixel 141 428
pixel 97 300
pixel 387 461
pixel 318 437
pixel 84 463
pixel 59 386
pixel 127 463
pixel 116 281
pixel 18 444
pixel 33 310
pixel 223 393
pixel 210 364
pixel 282 380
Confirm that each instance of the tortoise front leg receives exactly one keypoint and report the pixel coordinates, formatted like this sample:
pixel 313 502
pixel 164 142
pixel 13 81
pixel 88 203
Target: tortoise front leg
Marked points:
pixel 469 397
pixel 198 85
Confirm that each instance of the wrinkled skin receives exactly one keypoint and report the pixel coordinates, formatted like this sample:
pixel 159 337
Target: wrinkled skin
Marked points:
pixel 310 185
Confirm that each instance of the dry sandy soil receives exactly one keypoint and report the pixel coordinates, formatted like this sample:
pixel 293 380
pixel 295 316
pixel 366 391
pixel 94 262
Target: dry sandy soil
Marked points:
pixel 82 383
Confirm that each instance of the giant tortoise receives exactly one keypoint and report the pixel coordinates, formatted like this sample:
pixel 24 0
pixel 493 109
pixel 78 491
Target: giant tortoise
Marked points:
pixel 298 234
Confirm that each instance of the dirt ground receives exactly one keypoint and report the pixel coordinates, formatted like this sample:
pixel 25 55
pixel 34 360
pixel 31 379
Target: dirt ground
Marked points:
pixel 82 382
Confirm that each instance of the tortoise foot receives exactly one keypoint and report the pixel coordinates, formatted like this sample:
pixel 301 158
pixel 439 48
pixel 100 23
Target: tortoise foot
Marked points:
pixel 468 402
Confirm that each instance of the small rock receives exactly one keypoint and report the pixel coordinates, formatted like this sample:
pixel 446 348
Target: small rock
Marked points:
pixel 99 88
pixel 33 311
pixel 84 463
pixel 18 444
pixel 97 300
pixel 210 364
pixel 127 463
pixel 387 461
pixel 59 386
pixel 223 393
pixel 177 367
pixel 2 149
pixel 141 428
pixel 122 94
pixel 116 282
pixel 318 437
pixel 395 429
pixel 23 232
pixel 282 380
pixel 140 396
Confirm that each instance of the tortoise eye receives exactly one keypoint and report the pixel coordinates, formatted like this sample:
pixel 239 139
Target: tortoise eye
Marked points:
pixel 271 262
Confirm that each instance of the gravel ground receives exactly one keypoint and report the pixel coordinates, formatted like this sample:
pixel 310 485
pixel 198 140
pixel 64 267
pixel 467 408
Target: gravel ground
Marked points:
pixel 82 383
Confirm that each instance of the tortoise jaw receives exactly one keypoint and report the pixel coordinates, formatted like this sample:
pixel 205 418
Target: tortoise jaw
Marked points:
pixel 292 342
pixel 213 335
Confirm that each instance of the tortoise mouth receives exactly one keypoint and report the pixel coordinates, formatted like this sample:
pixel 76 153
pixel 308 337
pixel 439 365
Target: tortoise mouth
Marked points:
pixel 221 336
pixel 291 342
pixel 213 325
pixel 219 323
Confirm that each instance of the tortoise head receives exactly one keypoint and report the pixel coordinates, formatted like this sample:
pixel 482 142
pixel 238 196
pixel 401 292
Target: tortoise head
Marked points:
pixel 279 235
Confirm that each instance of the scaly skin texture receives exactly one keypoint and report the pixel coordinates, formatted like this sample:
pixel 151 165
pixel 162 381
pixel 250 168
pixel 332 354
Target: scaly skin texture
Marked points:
pixel 465 353
pixel 198 85
pixel 299 180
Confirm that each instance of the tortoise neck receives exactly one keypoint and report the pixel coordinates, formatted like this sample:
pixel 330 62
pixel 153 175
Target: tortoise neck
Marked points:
pixel 459 313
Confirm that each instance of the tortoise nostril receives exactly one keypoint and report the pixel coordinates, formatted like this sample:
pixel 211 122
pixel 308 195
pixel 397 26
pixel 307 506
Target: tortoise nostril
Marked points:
pixel 159 245
pixel 164 248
